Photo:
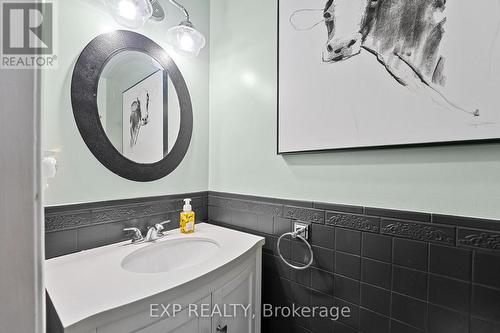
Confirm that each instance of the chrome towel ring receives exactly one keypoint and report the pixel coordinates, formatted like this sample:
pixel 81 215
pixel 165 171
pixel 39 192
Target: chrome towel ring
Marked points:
pixel 299 231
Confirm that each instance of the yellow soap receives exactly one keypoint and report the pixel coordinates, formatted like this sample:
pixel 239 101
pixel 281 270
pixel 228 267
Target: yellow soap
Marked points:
pixel 187 218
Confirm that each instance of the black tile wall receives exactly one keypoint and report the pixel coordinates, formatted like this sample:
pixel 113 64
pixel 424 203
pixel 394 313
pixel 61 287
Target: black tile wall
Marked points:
pixel 338 327
pixel 371 322
pixel 348 241
pixel 451 293
pixel 443 320
pixel 323 258
pixel 280 226
pixel 409 310
pixel 322 281
pixel 409 282
pixel 398 272
pixel 338 208
pixel 377 247
pixel 411 254
pixel 348 265
pixel 485 303
pixel 398 214
pixel 450 261
pixel 376 299
pixel 487 269
pixel 481 326
pixel 352 320
pixel 376 273
pixel 399 327
pixel 346 289
pixel 60 243
pixel 323 236
pixel 73 228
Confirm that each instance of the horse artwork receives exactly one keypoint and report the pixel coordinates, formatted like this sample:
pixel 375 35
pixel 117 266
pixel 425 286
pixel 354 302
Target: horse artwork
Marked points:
pixel 363 73
pixel 144 135
pixel 138 117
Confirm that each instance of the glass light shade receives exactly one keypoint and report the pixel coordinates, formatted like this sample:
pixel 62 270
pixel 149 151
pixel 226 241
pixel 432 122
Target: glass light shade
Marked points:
pixel 185 39
pixel 130 13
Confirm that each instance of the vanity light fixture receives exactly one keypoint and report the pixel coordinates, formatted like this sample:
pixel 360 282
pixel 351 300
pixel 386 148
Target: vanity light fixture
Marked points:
pixel 131 13
pixel 184 38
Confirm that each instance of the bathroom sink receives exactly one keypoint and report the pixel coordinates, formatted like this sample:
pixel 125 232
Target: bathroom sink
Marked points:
pixel 169 255
pixel 88 286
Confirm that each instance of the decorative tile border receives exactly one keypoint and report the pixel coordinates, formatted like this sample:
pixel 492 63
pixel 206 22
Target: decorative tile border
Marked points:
pixel 472 233
pixel 479 234
pixel 62 221
pixel 114 214
pixel 304 214
pixel 351 221
pixel 472 238
pixel 59 218
pixel 419 231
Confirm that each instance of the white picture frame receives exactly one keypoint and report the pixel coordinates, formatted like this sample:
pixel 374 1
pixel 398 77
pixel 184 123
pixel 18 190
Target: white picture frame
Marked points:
pixel 367 96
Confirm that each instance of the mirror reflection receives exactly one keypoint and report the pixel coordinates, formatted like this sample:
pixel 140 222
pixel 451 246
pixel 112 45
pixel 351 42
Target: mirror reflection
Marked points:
pixel 138 107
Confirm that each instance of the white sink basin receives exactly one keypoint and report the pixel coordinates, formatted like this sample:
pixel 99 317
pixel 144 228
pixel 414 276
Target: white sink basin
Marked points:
pixel 74 280
pixel 170 255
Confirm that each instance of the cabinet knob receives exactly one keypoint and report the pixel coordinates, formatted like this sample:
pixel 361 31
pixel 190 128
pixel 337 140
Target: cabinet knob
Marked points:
pixel 222 329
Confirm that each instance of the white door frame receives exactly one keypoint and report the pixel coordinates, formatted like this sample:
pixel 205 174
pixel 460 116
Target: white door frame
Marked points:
pixel 22 309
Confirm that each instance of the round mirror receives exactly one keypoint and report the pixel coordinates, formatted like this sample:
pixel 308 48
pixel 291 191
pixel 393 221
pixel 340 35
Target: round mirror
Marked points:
pixel 131 106
pixel 138 107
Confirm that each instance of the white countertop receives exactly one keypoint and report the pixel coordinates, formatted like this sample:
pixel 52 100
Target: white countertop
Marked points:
pixel 90 282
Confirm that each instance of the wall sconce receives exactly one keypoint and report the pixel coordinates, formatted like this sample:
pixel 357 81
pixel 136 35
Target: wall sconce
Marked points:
pixel 184 38
pixel 133 14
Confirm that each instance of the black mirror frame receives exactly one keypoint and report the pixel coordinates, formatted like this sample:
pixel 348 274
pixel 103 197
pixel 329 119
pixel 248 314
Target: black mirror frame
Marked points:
pixel 84 84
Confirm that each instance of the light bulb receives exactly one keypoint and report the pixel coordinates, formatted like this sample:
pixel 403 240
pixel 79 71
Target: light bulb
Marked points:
pixel 186 42
pixel 185 39
pixel 127 9
pixel 130 13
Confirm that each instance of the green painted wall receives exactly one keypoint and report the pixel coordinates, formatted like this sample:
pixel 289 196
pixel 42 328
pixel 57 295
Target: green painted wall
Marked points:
pixel 81 178
pixel 462 180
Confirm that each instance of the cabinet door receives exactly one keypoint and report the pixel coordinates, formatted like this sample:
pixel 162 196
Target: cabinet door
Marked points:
pixel 229 315
pixel 182 322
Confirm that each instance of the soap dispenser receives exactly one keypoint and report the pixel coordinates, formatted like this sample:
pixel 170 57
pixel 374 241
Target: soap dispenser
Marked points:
pixel 187 218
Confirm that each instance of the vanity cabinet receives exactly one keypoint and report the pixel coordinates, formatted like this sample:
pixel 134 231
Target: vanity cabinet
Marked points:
pixel 239 291
pixel 220 295
pixel 182 323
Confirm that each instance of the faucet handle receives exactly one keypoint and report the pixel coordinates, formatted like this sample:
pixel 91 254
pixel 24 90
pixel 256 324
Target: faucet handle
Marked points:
pixel 137 234
pixel 161 226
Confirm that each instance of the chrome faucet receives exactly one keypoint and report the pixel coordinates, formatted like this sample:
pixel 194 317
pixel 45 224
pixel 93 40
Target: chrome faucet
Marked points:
pixel 137 235
pixel 154 233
